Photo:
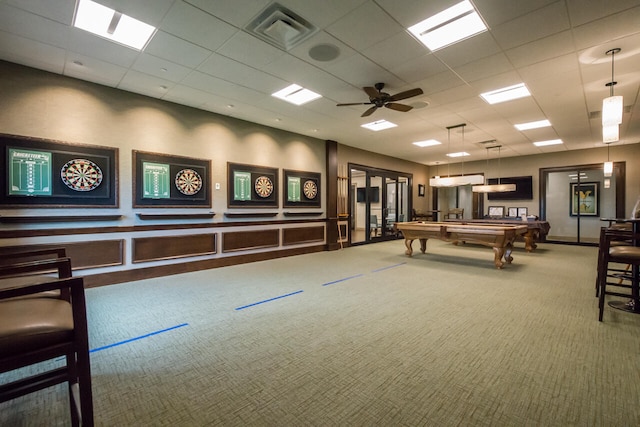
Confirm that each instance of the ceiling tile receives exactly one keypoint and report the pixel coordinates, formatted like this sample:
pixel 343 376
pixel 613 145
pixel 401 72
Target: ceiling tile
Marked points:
pixel 233 71
pixel 58 10
pixel 172 48
pixel 190 24
pixel 364 26
pixel 584 11
pixel 93 70
pixel 237 12
pixel 31 53
pixel 249 50
pixel 160 68
pixel 532 26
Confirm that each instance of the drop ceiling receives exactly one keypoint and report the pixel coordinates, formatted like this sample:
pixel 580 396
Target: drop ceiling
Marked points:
pixel 202 56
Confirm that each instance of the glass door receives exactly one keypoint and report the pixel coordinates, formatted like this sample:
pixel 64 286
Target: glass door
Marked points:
pixel 379 199
pixel 574 200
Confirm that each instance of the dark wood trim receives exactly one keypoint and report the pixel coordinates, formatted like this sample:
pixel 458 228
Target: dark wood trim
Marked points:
pixel 302 213
pixel 620 173
pixel 245 240
pixel 148 216
pixel 299 235
pixel 57 218
pixel 145 249
pixel 331 154
pixel 250 214
pixel 12 234
pixel 187 267
pixel 84 255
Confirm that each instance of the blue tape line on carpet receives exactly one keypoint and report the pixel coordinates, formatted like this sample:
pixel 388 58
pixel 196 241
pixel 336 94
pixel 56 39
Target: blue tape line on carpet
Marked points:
pixel 342 280
pixel 386 268
pixel 138 338
pixel 267 300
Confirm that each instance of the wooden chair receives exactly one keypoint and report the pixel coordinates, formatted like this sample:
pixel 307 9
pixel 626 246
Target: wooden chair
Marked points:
pixel 615 249
pixel 456 213
pixel 35 265
pixel 35 327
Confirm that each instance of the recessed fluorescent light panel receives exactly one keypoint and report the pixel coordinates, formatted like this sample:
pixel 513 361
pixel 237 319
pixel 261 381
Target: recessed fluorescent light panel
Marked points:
pixel 549 142
pixel 379 125
pixel 459 154
pixel 427 143
pixel 506 94
pixel 533 125
pixel 112 25
pixel 296 94
pixel 450 26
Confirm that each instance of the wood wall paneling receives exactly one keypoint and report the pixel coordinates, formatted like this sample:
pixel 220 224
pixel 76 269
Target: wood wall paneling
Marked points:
pixel 244 240
pixel 89 254
pixel 294 236
pixel 166 247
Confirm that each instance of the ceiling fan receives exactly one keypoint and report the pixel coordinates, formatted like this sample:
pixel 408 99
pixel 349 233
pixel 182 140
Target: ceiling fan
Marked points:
pixel 380 99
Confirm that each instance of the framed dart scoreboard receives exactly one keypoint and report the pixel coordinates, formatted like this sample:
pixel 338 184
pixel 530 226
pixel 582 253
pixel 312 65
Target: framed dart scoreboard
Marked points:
pixel 161 180
pixel 302 189
pixel 47 173
pixel 252 186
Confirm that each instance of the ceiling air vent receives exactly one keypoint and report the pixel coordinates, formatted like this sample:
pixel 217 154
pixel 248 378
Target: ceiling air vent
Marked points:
pixel 280 27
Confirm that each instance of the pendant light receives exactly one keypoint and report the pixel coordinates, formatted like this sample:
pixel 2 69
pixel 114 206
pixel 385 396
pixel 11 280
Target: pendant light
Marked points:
pixel 608 165
pixel 611 107
pixel 494 188
pixel 455 181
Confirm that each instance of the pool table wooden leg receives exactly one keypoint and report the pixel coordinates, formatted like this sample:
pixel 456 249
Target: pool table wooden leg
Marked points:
pixel 497 259
pixel 408 243
pixel 507 253
pixel 423 245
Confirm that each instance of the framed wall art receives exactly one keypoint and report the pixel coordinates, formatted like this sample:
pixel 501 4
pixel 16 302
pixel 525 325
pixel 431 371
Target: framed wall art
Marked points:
pixel 301 189
pixel 161 180
pixel 496 211
pixel 512 212
pixel 47 173
pixel 585 199
pixel 252 186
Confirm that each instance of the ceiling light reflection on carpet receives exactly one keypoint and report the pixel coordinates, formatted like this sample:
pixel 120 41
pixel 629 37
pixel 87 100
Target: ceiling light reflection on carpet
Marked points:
pixel 379 125
pixel 506 94
pixel 296 94
pixel 112 25
pixel 450 26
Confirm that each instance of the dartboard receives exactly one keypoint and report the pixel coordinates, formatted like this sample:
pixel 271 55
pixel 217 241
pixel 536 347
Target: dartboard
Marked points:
pixel 310 189
pixel 264 186
pixel 81 175
pixel 188 182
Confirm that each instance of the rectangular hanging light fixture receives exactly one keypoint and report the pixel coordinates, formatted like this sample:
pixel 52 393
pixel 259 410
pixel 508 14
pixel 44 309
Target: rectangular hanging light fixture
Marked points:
pixel 454 181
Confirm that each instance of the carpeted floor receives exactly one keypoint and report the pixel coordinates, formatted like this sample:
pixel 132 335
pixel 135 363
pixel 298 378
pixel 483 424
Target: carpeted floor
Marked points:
pixel 359 337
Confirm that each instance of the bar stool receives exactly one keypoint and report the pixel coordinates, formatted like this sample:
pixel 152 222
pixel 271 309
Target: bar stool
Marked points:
pixel 619 254
pixel 610 271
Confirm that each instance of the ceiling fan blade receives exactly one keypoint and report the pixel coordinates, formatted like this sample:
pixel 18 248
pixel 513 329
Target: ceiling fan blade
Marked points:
pixel 406 94
pixel 369 111
pixel 353 103
pixel 371 91
pixel 398 107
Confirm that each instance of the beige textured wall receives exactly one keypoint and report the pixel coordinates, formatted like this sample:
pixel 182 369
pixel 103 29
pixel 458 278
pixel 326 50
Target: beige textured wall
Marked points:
pixel 45 105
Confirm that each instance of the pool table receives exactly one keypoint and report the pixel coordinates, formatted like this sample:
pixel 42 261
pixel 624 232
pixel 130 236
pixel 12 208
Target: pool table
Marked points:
pixel 537 230
pixel 499 237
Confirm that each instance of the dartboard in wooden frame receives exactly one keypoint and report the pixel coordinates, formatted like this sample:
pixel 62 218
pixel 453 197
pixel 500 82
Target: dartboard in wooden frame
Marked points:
pixel 188 182
pixel 81 175
pixel 263 186
pixel 310 189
